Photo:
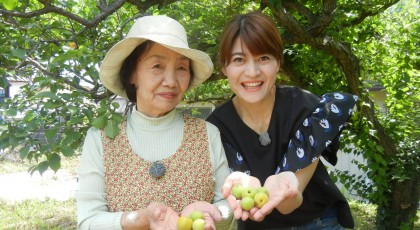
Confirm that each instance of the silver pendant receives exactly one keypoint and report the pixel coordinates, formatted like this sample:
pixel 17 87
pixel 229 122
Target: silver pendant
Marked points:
pixel 265 139
pixel 157 169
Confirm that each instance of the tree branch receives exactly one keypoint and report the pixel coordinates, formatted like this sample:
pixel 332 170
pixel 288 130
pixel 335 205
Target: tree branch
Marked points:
pixel 48 8
pixel 288 22
pixel 362 16
pixel 324 19
pixel 43 70
pixel 291 5
pixel 317 23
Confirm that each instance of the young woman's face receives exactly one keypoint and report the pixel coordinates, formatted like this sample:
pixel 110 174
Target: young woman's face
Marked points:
pixel 161 78
pixel 250 77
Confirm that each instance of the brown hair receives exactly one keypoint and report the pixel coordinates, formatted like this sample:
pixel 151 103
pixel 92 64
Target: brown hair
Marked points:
pixel 257 31
pixel 129 66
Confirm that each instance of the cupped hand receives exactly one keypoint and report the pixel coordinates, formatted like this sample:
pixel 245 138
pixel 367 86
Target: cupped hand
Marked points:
pixel 161 217
pixel 242 179
pixel 211 213
pixel 281 187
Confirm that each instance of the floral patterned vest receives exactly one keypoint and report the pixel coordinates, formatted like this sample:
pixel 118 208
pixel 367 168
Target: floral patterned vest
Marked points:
pixel 188 176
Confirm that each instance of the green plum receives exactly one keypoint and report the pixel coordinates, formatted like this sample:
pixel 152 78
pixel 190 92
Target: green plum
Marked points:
pixel 247 203
pixel 237 191
pixel 249 191
pixel 260 199
pixel 198 224
pixel 196 215
pixel 262 189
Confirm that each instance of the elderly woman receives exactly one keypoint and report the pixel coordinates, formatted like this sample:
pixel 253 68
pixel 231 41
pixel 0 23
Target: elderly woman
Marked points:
pixel 162 164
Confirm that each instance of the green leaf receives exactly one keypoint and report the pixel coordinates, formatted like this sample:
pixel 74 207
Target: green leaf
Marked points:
pixel 88 113
pixel 117 118
pixel 99 122
pixel 47 94
pixel 54 161
pixel 116 105
pixel 112 129
pixel 9 4
pixel 4 82
pixel 379 148
pixel 23 153
pixel 19 53
pixel 14 141
pixel 45 148
pixel 52 104
pixel 67 151
pixel 75 120
pixel 30 116
pixel 50 133
pixel 11 112
pixel 101 111
pixel 42 167
pixel 71 137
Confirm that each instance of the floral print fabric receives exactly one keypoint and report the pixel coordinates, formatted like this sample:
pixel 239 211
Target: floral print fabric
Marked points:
pixel 188 176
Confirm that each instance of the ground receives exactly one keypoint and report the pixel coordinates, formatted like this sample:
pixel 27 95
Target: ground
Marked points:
pixel 21 185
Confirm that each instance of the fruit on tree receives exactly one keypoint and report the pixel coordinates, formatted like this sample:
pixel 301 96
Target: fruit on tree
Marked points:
pixel 72 45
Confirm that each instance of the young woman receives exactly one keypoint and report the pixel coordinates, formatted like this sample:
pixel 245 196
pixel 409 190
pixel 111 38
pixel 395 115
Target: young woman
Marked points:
pixel 274 135
pixel 162 164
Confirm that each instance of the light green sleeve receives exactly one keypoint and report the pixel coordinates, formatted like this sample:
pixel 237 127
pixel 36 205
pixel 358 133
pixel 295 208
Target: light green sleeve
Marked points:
pixel 220 172
pixel 92 209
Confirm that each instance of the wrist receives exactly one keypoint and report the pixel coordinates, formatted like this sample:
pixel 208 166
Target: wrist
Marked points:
pixel 134 220
pixel 132 217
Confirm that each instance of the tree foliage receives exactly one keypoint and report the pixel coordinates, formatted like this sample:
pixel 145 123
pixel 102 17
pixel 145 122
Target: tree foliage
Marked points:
pixel 351 46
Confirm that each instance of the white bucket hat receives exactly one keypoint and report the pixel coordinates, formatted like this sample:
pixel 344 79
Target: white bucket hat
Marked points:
pixel 160 29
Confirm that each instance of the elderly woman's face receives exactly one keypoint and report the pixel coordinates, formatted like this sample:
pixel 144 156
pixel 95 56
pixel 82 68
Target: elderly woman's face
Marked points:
pixel 161 78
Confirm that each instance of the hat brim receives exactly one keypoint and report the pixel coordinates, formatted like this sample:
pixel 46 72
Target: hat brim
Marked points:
pixel 109 71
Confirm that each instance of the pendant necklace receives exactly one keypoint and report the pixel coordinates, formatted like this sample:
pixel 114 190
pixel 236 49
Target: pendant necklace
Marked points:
pixel 157 169
pixel 265 139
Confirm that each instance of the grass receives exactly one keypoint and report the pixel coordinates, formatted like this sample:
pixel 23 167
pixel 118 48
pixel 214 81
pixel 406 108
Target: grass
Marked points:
pixel 61 215
pixel 363 214
pixel 36 214
pixel 52 214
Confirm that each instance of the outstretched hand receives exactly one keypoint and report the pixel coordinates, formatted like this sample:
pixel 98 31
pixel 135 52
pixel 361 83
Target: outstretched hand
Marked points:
pixel 281 187
pixel 245 180
pixel 211 213
pixel 161 217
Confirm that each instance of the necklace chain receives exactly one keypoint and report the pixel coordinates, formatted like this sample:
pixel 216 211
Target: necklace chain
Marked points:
pixel 255 123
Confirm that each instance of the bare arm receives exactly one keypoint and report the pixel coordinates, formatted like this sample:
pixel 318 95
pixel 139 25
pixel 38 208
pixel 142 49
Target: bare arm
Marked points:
pixel 285 189
pixel 303 176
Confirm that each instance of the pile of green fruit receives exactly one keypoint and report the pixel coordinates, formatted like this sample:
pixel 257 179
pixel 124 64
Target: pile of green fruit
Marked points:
pixel 250 197
pixel 195 221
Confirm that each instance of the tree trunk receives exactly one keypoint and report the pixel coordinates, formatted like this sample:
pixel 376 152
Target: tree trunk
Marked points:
pixel 401 212
pixel 404 196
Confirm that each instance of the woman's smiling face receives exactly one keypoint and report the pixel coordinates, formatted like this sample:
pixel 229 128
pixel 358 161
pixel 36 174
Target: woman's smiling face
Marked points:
pixel 161 78
pixel 251 77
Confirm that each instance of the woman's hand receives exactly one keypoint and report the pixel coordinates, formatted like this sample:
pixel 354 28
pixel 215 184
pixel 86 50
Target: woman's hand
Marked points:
pixel 161 217
pixel 211 213
pixel 281 187
pixel 245 180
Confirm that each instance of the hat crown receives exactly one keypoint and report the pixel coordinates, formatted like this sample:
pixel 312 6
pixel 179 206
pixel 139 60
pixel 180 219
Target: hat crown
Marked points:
pixel 155 26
